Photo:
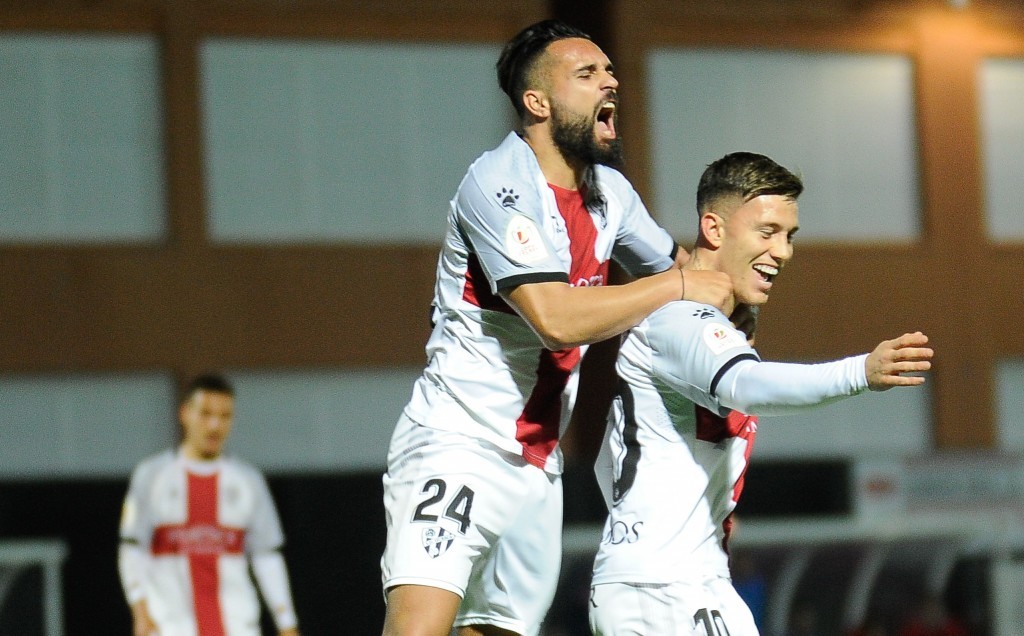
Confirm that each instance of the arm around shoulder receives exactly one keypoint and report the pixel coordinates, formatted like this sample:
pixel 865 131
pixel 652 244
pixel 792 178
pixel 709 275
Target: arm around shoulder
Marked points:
pixel 564 316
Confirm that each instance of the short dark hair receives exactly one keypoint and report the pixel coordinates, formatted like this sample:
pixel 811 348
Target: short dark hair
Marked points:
pixel 212 382
pixel 746 175
pixel 517 58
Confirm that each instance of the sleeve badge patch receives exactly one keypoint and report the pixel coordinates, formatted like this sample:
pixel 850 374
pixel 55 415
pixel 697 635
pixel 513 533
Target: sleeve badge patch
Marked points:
pixel 720 338
pixel 523 241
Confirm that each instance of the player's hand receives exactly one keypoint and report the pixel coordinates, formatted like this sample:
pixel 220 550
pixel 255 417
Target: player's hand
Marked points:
pixel 709 288
pixel 144 626
pixel 291 631
pixel 744 318
pixel 891 359
pixel 682 256
pixel 142 623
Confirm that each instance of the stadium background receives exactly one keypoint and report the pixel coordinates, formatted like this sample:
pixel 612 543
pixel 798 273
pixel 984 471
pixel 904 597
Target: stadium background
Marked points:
pixel 185 186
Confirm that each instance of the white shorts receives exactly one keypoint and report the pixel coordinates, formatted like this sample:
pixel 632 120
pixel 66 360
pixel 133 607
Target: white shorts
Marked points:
pixel 674 609
pixel 468 517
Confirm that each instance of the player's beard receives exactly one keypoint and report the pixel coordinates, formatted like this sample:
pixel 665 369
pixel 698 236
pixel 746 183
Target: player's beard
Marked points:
pixel 575 139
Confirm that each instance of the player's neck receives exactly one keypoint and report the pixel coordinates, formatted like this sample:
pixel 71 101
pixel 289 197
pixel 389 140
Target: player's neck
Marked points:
pixel 191 454
pixel 703 259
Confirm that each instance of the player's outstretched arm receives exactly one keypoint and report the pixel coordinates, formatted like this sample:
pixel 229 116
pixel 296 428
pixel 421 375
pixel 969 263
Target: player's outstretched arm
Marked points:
pixel 564 316
pixel 887 365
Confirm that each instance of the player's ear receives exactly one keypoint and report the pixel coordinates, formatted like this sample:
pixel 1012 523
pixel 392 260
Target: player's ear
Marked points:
pixel 712 228
pixel 537 103
pixel 182 411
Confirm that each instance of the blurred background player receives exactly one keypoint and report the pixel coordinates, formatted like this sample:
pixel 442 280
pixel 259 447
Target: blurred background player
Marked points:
pixel 193 521
pixel 472 492
pixel 679 440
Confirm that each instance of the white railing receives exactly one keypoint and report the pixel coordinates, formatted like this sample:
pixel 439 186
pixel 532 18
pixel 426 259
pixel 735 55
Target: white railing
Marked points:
pixel 16 555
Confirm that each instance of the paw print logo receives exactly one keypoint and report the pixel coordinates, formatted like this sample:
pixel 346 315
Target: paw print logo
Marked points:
pixel 703 313
pixel 508 197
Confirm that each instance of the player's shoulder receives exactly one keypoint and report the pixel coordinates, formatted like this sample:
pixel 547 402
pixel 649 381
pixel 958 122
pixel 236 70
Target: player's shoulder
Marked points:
pixel 157 459
pixel 512 166
pixel 154 463
pixel 687 311
pixel 688 321
pixel 610 178
pixel 242 466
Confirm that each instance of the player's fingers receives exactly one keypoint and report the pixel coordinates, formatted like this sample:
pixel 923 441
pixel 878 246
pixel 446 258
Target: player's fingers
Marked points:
pixel 915 339
pixel 900 380
pixel 908 366
pixel 913 353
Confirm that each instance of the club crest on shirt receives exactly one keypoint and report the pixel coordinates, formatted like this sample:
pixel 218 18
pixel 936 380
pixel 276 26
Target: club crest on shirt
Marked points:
pixel 720 338
pixel 523 241
pixel 437 540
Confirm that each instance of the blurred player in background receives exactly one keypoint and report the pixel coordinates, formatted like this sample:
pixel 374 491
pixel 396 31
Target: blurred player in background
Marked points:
pixel 472 492
pixel 679 438
pixel 193 521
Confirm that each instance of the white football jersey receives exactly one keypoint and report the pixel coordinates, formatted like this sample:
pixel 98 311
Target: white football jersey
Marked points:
pixel 673 463
pixel 196 522
pixel 488 375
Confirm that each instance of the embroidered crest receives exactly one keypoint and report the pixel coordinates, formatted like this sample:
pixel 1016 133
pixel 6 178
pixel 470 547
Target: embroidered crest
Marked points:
pixel 437 540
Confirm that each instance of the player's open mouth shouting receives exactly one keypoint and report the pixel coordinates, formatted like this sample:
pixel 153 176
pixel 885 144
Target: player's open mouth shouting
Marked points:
pixel 605 118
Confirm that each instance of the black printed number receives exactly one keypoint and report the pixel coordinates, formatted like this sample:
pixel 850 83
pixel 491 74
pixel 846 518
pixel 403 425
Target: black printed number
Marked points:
pixel 714 624
pixel 458 507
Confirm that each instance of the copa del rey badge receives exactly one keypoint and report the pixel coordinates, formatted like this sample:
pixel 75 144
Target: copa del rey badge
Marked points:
pixel 522 240
pixel 437 540
pixel 720 338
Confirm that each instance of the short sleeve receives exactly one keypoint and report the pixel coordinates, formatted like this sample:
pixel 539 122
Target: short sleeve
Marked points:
pixel 500 210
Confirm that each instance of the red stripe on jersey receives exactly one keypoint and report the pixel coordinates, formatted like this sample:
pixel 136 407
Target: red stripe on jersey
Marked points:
pixel 713 428
pixel 585 269
pixel 202 540
pixel 202 509
pixel 478 291
pixel 537 425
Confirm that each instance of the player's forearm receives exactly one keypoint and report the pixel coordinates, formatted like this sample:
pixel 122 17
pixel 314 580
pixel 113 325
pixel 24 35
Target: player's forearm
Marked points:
pixel 130 567
pixel 272 576
pixel 777 388
pixel 565 316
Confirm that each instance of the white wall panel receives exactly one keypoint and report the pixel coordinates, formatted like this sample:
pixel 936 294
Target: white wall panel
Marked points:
pixel 83 425
pixel 362 143
pixel 1010 405
pixel 894 423
pixel 81 140
pixel 1002 133
pixel 318 420
pixel 844 122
